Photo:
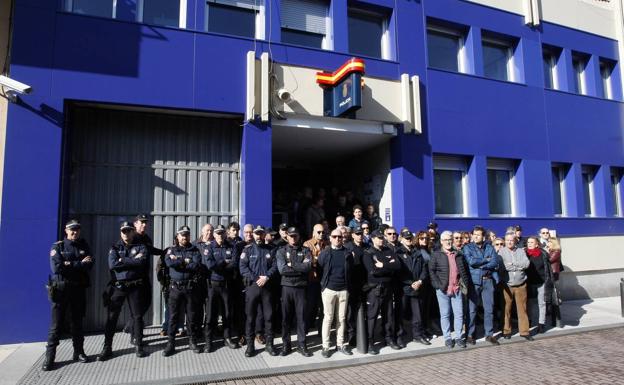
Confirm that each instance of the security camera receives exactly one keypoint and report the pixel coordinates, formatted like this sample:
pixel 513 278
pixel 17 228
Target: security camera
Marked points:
pixel 14 86
pixel 284 95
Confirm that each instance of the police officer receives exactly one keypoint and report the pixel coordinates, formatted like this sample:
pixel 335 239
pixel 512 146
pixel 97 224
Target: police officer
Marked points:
pixel 381 266
pixel 358 279
pixel 283 233
pixel 127 262
pixel 293 264
pixel 257 267
pixel 70 262
pixel 220 260
pixel 413 276
pixel 183 260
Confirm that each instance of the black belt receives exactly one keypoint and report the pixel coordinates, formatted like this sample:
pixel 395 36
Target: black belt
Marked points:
pixel 217 283
pixel 129 284
pixel 184 284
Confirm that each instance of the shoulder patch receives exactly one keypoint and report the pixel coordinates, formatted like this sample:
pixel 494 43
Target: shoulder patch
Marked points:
pixel 268 255
pixel 133 251
pixel 169 252
pixel 243 255
pixel 52 252
pixel 205 251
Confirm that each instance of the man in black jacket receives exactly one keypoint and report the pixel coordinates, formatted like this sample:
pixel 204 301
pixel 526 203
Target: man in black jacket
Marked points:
pixel 293 264
pixel 382 267
pixel 358 280
pixel 336 263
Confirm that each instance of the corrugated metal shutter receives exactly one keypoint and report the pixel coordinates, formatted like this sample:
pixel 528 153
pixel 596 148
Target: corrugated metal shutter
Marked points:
pixel 304 15
pixel 251 4
pixel 180 170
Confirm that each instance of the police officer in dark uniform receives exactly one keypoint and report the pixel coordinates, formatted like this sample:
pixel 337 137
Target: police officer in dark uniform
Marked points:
pixel 257 267
pixel 358 280
pixel 220 260
pixel 382 266
pixel 283 232
pixel 413 276
pixel 183 260
pixel 70 262
pixel 127 262
pixel 293 264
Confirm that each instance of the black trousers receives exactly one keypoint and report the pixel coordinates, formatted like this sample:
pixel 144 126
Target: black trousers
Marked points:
pixel 354 304
pixel 379 300
pixel 218 300
pixel 255 295
pixel 400 308
pixel 412 306
pixel 293 304
pixel 314 306
pixel 136 302
pixel 183 300
pixel 73 299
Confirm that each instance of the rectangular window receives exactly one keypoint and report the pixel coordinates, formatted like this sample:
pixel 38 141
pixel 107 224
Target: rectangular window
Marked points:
pixel 367 32
pixel 549 61
pixel 234 17
pixel 500 174
pixel 304 22
pixel 578 80
pixel 497 59
pixel 103 8
pixel 558 184
pixel 160 12
pixel 588 174
pixel 449 175
pixel 606 68
pixel 616 179
pixel 445 49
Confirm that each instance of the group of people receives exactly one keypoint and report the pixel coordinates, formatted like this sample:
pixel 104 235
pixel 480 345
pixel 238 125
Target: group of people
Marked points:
pixel 268 279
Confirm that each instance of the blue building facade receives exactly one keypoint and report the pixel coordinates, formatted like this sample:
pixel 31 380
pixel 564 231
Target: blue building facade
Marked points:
pixel 523 125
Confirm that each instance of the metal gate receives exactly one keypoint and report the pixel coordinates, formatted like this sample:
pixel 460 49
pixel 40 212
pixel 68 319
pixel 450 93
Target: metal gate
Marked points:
pixel 178 169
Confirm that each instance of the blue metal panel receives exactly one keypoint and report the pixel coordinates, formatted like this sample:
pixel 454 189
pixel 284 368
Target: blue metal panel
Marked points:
pixel 256 169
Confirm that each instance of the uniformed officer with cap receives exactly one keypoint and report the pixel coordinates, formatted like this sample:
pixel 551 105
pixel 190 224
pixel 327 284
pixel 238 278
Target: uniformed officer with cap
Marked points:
pixel 257 267
pixel 358 279
pixel 293 263
pixel 70 262
pixel 381 266
pixel 283 232
pixel 183 260
pixel 220 260
pixel 127 262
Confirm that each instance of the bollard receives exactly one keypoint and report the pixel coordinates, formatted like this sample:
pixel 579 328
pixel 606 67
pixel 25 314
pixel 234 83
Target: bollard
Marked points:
pixel 362 341
pixel 622 295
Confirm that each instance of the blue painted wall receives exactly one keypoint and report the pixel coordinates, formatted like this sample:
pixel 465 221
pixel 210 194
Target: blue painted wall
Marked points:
pixel 68 57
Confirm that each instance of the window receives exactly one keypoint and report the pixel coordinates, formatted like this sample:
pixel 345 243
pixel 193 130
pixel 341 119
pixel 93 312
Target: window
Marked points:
pixel 558 183
pixel 367 34
pixel 497 59
pixel 587 174
pixel 102 8
pixel 578 79
pixel 160 12
pixel 449 175
pixel 549 61
pixel 500 174
pixel 616 179
pixel 236 17
pixel 606 68
pixel 445 49
pixel 304 22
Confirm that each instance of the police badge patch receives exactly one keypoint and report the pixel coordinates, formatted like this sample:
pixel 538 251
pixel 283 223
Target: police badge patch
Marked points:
pixel 243 255
pixel 268 255
pixel 52 252
pixel 206 252
pixel 133 251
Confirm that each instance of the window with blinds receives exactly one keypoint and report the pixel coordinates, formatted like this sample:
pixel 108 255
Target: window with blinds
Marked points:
pixel 304 22
pixel 234 17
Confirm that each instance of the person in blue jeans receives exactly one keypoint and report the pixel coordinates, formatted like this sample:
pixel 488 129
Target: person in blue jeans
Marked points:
pixel 450 279
pixel 482 262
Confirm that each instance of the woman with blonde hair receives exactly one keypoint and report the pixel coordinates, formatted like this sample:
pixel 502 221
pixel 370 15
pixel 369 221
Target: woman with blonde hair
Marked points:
pixel 554 256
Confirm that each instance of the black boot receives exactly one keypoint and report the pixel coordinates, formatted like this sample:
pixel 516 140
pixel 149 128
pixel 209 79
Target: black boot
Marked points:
pixel 170 348
pixel 48 361
pixel 286 349
pixel 372 350
pixel 251 350
pixel 79 355
pixel 194 347
pixel 139 351
pixel 106 353
pixel 231 344
pixel 303 350
pixel 270 348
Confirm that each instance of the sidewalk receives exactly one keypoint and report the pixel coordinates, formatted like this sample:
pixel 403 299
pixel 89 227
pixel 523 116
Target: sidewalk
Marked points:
pixel 20 363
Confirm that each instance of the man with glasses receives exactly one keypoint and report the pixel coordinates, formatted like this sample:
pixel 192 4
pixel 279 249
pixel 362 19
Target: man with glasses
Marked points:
pixel 544 236
pixel 293 264
pixel 382 267
pixel 316 244
pixel 366 231
pixel 482 262
pixel 393 242
pixel 127 262
pixel 457 240
pixel 358 279
pixel 335 264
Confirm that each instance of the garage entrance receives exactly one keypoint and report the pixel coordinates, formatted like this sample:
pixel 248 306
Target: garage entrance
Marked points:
pixel 178 169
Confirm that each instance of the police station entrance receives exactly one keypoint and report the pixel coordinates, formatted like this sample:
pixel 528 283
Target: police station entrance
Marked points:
pixel 344 164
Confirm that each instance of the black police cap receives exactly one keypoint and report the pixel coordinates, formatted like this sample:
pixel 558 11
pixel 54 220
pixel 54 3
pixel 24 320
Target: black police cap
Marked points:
pixel 184 230
pixel 377 234
pixel 141 217
pixel 126 226
pixel 293 231
pixel 271 231
pixel 518 228
pixel 259 230
pixel 72 224
pixel 407 234
pixel 358 230
pixel 432 225
pixel 220 229
pixel 283 226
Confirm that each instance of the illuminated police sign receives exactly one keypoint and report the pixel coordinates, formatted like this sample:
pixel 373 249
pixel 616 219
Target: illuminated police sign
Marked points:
pixel 342 89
